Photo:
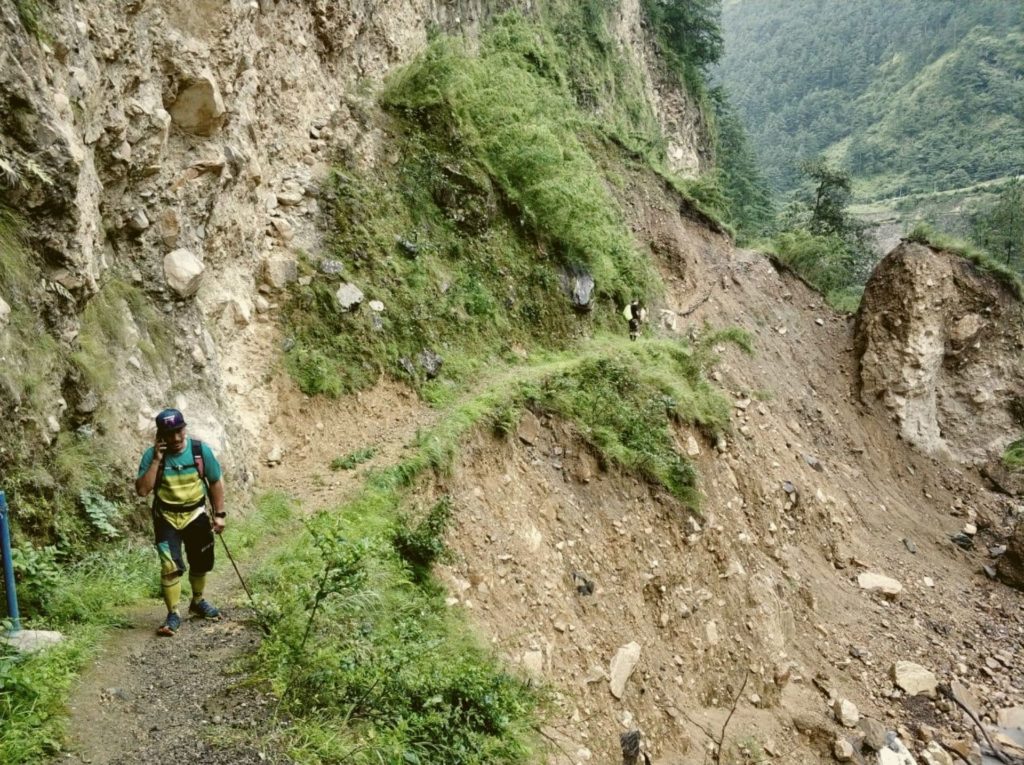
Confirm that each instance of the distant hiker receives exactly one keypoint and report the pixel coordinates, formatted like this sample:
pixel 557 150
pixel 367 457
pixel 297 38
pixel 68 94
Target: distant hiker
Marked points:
pixel 182 472
pixel 635 313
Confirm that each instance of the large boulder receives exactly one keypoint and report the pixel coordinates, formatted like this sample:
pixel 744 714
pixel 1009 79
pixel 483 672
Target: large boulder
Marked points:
pixel 198 107
pixel 183 271
pixel 938 341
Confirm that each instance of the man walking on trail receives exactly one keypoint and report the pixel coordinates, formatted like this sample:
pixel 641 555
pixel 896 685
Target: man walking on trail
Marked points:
pixel 182 472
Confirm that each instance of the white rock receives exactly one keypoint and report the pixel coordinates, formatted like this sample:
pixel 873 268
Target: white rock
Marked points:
pixel 877 582
pixel 711 633
pixel 898 756
pixel 843 750
pixel 31 641
pixel 349 296
pixel 5 313
pixel 199 108
pixel 936 755
pixel 183 271
pixel 622 666
pixel 1012 717
pixel 275 455
pixel 261 304
pixel 376 306
pixel 692 447
pixel 913 678
pixel 846 713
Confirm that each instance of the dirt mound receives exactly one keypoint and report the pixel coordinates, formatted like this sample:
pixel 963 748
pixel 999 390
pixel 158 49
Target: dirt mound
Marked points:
pixel 939 347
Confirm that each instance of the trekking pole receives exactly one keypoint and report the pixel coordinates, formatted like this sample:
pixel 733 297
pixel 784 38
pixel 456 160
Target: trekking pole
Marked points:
pixel 259 616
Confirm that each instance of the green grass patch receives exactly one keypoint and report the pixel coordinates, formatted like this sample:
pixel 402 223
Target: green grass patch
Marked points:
pixel 624 404
pixel 353 459
pixel 520 127
pixel 926 235
pixel 1013 456
pixel 826 262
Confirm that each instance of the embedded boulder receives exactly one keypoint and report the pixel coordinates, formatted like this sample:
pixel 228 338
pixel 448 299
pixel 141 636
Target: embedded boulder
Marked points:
pixel 183 271
pixel 198 108
pixel 938 345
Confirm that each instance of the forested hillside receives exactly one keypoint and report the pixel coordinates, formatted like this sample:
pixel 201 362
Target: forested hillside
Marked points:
pixel 909 96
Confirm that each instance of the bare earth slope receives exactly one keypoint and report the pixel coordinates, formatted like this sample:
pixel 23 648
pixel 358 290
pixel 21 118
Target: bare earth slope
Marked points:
pixel 754 604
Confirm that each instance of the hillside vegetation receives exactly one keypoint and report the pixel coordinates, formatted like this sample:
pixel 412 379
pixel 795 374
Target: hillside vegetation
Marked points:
pixel 921 95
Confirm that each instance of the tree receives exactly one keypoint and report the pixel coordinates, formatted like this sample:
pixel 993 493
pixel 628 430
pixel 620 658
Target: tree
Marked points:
pixel 1000 230
pixel 690 29
pixel 831 195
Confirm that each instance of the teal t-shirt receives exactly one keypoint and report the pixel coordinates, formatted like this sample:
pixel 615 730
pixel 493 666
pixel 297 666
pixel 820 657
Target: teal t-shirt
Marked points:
pixel 182 488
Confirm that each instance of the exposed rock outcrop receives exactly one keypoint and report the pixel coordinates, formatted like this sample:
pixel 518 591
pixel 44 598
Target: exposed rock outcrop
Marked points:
pixel 939 344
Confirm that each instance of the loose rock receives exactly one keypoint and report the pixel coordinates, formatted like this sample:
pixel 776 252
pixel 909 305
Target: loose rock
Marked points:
pixel 199 108
pixel 913 678
pixel 879 583
pixel 622 666
pixel 183 271
pixel 349 296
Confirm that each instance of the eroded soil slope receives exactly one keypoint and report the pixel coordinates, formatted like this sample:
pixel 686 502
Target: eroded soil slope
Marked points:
pixel 761 590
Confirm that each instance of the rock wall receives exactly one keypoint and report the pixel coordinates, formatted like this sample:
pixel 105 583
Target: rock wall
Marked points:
pixel 179 147
pixel 939 344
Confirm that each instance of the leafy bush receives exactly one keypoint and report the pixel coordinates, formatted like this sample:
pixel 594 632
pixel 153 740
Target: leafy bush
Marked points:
pixel 422 544
pixel 101 513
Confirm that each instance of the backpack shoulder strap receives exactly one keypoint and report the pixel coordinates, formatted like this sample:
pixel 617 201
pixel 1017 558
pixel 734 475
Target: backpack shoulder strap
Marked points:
pixel 197 458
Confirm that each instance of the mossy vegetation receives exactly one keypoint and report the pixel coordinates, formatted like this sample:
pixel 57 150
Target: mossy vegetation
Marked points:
pixel 1013 456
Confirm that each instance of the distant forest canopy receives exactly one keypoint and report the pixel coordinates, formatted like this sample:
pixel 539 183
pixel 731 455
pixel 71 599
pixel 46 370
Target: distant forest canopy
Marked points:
pixel 906 95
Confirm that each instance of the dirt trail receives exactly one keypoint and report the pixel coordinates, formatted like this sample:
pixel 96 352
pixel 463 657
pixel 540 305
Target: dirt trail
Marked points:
pixel 152 699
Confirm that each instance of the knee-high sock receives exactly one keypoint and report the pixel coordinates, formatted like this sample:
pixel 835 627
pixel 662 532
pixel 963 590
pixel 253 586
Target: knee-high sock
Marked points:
pixel 198 585
pixel 171 587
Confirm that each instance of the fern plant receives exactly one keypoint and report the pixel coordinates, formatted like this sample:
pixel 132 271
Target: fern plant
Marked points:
pixel 101 513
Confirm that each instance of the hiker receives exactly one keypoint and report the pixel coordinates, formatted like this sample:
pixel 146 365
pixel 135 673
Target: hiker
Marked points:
pixel 182 472
pixel 636 314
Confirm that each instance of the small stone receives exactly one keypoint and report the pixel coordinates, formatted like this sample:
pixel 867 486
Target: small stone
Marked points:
pixel 877 582
pixel 138 221
pixel 376 306
pixel 934 754
pixel 331 267
pixel 183 271
pixel 874 733
pixel 842 749
pixel 909 544
pixel 5 313
pixel 846 713
pixel 198 107
pixel 533 663
pixel 820 322
pixel 970 529
pixel 692 447
pixel 275 455
pixel 529 428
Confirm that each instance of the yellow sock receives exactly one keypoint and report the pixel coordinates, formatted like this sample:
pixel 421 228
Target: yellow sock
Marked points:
pixel 198 585
pixel 172 593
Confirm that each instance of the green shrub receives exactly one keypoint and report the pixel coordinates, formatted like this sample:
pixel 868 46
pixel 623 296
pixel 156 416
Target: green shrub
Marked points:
pixel 421 544
pixel 1013 456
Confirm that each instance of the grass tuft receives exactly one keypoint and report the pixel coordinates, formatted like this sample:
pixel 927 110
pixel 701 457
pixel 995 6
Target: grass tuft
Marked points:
pixel 924 234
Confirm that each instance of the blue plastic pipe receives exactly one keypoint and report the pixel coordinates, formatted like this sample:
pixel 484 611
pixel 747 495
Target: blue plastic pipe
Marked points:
pixel 5 550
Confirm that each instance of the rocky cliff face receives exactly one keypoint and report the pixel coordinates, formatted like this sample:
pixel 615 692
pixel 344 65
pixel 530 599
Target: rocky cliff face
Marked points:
pixel 939 343
pixel 178 148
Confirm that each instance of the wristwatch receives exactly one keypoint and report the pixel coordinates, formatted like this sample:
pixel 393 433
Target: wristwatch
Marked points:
pixel 221 514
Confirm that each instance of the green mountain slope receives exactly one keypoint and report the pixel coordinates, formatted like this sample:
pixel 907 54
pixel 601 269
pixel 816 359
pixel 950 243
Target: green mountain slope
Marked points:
pixel 909 96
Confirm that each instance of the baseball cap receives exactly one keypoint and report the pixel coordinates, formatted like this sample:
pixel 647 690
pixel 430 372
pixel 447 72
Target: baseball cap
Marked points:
pixel 168 420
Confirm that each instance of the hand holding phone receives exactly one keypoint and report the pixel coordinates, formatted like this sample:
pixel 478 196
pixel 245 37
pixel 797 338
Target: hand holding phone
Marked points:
pixel 159 447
